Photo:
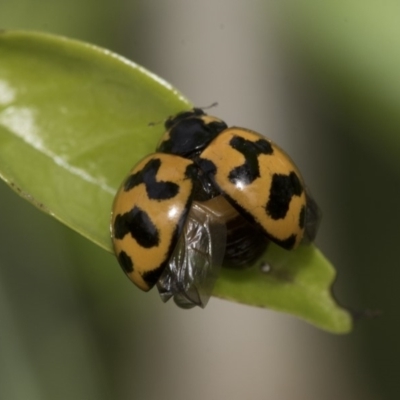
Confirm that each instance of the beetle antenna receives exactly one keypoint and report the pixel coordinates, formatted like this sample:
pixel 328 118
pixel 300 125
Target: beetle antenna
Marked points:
pixel 215 104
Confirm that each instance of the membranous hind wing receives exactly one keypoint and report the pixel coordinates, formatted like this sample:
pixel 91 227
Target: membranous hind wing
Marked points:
pixel 196 261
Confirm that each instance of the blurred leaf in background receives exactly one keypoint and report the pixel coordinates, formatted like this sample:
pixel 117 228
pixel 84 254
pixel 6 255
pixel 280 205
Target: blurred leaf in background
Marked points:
pixel 97 22
pixel 352 51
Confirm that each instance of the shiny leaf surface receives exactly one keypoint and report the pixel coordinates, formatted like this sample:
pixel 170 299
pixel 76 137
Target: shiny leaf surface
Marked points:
pixel 74 119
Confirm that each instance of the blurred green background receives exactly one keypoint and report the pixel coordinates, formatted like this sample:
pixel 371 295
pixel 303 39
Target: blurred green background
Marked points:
pixel 322 79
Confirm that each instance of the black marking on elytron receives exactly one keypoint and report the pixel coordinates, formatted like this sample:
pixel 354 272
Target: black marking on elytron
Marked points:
pixel 156 190
pixel 250 170
pixel 287 243
pixel 125 262
pixel 283 188
pixel 138 223
pixel 302 217
pixel 190 135
pixel 151 277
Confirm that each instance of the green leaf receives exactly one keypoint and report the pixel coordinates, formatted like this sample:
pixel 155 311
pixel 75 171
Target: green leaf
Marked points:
pixel 297 282
pixel 353 49
pixel 75 118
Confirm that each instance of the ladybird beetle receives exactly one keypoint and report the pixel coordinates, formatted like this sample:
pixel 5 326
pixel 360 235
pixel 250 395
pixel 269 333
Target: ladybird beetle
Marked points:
pixel 209 196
